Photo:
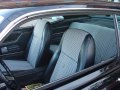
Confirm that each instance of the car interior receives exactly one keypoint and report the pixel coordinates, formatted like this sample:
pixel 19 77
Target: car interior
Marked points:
pixel 48 49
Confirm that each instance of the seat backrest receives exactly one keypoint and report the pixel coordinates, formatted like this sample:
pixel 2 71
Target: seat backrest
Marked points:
pixel 104 39
pixel 75 52
pixel 39 43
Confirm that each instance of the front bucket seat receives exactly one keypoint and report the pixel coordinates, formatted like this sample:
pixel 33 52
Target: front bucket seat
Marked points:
pixel 75 53
pixel 38 46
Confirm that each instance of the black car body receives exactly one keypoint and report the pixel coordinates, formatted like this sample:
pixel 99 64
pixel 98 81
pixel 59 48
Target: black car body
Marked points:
pixel 103 75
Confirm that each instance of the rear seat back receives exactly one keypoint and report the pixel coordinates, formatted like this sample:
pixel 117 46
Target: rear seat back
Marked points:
pixel 104 39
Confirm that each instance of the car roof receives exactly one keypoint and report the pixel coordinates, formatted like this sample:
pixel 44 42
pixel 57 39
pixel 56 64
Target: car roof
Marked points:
pixel 33 3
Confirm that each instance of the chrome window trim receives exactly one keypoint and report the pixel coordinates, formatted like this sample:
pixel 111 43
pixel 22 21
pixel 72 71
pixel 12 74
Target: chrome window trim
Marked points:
pixel 117 35
pixel 15 22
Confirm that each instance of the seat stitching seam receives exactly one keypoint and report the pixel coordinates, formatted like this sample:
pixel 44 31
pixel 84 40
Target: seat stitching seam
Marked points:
pixel 69 57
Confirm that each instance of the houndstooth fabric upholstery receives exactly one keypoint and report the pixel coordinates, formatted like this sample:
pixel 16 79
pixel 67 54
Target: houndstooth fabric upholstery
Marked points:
pixel 35 47
pixel 104 39
pixel 68 59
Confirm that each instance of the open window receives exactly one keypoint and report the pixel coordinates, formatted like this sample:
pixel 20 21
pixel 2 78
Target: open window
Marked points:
pixel 100 27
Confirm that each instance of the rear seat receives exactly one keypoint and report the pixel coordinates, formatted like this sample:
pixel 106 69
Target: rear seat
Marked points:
pixel 104 39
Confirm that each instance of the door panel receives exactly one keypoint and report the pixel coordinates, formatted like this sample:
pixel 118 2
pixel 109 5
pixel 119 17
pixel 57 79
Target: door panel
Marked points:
pixel 14 46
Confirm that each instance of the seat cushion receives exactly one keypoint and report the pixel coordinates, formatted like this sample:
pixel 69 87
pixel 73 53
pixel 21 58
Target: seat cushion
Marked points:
pixel 15 65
